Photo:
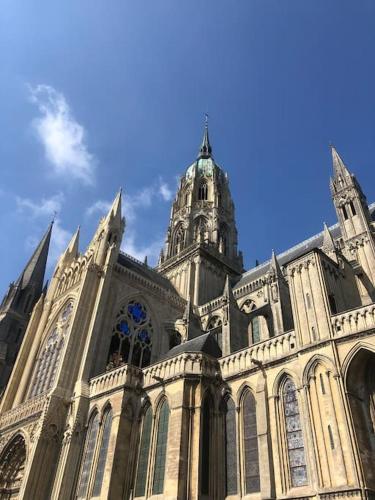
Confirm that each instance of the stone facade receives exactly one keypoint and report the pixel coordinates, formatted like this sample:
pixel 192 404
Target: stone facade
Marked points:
pixel 197 380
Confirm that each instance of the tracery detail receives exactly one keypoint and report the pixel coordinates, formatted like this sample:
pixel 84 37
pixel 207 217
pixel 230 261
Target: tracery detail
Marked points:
pixel 294 436
pixel 12 466
pixel 131 337
pixel 49 357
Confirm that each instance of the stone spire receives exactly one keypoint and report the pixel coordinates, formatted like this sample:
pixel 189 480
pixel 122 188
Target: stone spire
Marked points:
pixel 205 150
pixel 339 167
pixel 34 270
pixel 328 245
pixel 275 266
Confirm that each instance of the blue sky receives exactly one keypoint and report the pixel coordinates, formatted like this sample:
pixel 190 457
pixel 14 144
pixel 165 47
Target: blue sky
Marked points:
pixel 96 95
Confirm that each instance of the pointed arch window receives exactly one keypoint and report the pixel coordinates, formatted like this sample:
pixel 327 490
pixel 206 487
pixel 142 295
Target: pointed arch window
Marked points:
pixel 103 451
pixel 49 357
pixel 203 191
pixel 205 465
pixel 294 436
pixel 250 444
pixel 12 466
pixel 230 448
pixel 131 337
pixel 178 240
pixel 161 449
pixel 88 456
pixel 144 453
pixel 215 325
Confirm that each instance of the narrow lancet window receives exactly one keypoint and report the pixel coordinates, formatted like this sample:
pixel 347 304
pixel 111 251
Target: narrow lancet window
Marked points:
pixel 106 433
pixel 294 436
pixel 144 452
pixel 230 448
pixel 161 450
pixel 88 456
pixel 250 444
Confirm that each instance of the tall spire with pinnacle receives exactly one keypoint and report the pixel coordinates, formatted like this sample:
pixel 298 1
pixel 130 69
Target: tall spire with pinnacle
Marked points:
pixel 18 304
pixel 205 149
pixel 34 270
pixel 339 167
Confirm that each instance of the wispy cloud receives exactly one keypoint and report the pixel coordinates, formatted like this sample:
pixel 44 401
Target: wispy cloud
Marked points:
pixel 62 136
pixel 131 206
pixel 45 207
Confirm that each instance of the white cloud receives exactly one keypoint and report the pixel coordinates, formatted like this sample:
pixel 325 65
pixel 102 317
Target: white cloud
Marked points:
pixel 62 136
pixel 46 207
pixel 165 192
pixel 131 206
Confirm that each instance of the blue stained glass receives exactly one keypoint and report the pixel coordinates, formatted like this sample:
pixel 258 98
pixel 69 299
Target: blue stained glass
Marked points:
pixel 136 312
pixel 144 336
pixel 123 327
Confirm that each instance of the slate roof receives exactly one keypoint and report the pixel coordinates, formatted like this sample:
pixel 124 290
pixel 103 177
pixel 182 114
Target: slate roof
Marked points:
pixel 293 253
pixel 205 343
pixel 144 270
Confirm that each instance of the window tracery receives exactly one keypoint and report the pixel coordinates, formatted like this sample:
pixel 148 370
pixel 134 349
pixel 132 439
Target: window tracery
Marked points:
pixel 161 449
pixel 12 467
pixel 230 448
pixel 88 456
pixel 103 451
pixel 250 444
pixel 203 191
pixel 144 453
pixel 131 337
pixel 49 357
pixel 294 437
pixel 178 240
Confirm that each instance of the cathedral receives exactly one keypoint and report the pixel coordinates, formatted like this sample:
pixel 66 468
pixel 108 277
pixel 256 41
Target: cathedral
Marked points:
pixel 195 379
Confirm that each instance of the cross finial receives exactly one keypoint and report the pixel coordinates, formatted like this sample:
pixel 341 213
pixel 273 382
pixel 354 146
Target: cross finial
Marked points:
pixel 206 120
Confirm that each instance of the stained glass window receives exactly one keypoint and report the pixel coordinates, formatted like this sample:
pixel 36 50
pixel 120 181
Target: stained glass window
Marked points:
pixel 103 452
pixel 230 448
pixel 88 456
pixel 205 446
pixel 131 337
pixel 49 357
pixel 294 436
pixel 144 452
pixel 161 450
pixel 12 468
pixel 250 436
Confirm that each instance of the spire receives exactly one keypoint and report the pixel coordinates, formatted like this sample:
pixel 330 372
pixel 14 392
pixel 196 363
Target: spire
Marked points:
pixel 274 265
pixel 114 213
pixel 205 149
pixel 71 251
pixel 328 245
pixel 339 167
pixel 36 267
pixel 228 292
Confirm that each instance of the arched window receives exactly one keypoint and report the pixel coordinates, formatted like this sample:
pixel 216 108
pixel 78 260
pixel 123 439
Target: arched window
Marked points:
pixel 205 465
pixel 230 448
pixel 200 229
pixel 12 466
pixel 294 437
pixel 131 337
pixel 161 450
pixel 103 450
pixel 203 191
pixel 223 243
pixel 88 456
pixel 178 240
pixel 49 358
pixel 255 329
pixel 250 444
pixel 144 452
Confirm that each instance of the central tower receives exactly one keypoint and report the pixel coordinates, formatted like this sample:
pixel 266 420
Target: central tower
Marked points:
pixel 201 244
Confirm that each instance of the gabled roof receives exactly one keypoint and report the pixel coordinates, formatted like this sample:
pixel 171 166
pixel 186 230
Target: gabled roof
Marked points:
pixel 205 343
pixel 293 253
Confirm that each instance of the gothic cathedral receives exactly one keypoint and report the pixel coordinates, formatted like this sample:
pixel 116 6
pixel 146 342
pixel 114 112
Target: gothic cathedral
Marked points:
pixel 195 379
